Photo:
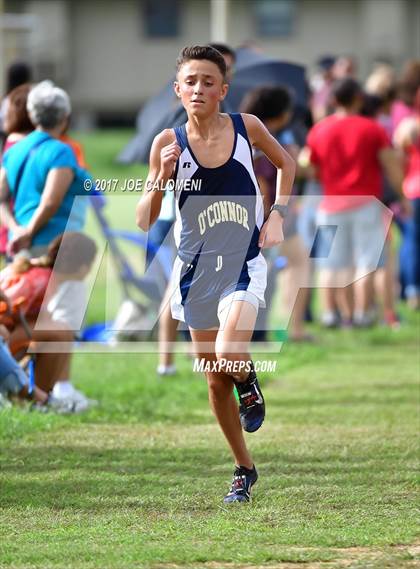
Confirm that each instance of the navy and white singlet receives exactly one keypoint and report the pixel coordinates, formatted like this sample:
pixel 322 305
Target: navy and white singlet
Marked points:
pixel 219 215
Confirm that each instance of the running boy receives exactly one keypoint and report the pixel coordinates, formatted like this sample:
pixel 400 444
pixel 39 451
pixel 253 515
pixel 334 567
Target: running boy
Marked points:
pixel 219 275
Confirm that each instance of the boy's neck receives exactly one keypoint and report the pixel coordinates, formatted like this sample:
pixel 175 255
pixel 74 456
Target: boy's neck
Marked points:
pixel 204 127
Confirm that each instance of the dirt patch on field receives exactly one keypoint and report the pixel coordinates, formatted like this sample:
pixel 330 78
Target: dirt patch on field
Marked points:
pixel 395 557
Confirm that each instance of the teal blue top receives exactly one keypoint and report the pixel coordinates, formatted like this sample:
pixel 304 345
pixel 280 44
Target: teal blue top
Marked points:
pixel 44 153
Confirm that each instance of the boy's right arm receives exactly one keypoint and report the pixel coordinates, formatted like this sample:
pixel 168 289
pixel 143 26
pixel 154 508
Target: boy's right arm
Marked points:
pixel 163 157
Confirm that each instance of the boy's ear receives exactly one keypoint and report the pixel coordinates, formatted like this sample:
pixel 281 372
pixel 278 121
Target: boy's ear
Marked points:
pixel 177 89
pixel 225 89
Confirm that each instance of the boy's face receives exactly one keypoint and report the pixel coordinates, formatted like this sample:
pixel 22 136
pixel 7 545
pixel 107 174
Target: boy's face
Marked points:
pixel 200 87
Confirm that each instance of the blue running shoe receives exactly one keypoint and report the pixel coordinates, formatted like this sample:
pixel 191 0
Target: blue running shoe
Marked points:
pixel 243 480
pixel 251 403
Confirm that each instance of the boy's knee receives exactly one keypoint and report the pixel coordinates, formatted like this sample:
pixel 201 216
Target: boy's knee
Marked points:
pixel 224 361
pixel 228 362
pixel 218 388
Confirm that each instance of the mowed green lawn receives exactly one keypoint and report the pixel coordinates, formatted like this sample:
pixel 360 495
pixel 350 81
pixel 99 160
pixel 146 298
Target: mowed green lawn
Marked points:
pixel 139 481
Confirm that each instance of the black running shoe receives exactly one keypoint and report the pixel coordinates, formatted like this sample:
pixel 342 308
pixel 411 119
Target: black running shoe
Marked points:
pixel 243 480
pixel 251 403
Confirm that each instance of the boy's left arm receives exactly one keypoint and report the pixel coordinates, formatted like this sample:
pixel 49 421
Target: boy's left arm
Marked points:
pixel 272 231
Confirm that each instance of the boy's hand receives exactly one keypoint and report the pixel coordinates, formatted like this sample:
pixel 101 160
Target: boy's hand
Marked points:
pixel 168 158
pixel 271 233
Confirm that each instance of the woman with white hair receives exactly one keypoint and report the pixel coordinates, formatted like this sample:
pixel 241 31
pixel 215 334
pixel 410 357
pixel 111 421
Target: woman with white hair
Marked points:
pixel 41 175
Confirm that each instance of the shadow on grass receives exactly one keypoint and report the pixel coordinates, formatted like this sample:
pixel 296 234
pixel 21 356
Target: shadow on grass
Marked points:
pixel 65 477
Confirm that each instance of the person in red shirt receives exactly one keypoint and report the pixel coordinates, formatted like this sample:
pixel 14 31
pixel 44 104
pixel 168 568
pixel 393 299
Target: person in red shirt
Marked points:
pixel 349 153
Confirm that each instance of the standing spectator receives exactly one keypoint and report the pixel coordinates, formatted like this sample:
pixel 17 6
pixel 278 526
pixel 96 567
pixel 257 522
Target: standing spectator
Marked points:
pixel 407 91
pixel 321 86
pixel 406 121
pixel 273 106
pixel 381 84
pixel 17 125
pixel 18 73
pixel 380 91
pixel 41 174
pixel 348 152
pixel 344 67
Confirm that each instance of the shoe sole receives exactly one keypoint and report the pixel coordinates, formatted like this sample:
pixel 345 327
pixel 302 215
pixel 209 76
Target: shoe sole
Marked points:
pixel 253 430
pixel 248 430
pixel 244 501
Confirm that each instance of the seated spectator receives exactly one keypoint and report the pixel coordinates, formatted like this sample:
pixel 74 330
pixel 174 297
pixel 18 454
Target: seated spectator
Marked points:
pixel 50 292
pixel 14 381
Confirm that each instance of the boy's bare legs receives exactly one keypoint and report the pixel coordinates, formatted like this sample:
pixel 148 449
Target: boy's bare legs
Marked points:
pixel 232 342
pixel 221 397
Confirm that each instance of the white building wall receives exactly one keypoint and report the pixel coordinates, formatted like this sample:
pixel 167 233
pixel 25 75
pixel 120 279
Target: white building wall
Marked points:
pixel 113 63
pixel 107 62
pixel 321 26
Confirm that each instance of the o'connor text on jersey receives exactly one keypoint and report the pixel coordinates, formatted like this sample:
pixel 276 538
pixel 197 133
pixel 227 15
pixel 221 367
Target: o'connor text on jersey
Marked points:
pixel 221 211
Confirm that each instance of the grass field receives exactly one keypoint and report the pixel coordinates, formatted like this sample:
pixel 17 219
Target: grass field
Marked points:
pixel 138 481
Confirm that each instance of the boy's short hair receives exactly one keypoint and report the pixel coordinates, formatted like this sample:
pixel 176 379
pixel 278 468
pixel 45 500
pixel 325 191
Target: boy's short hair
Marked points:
pixel 201 52
pixel 267 102
pixel 345 91
pixel 224 49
